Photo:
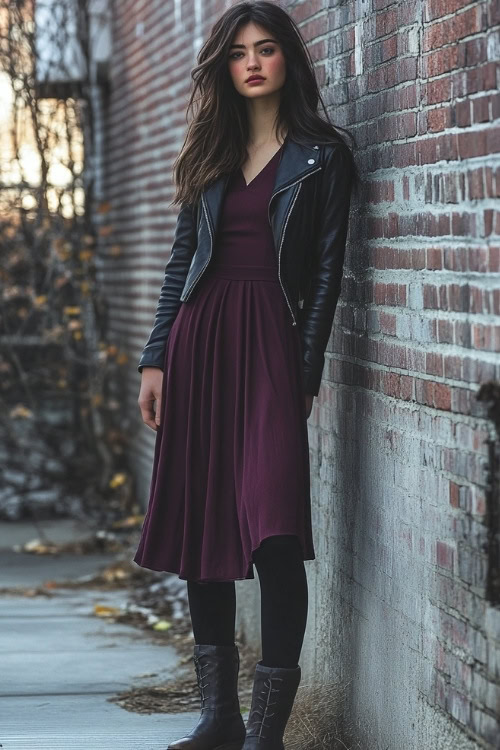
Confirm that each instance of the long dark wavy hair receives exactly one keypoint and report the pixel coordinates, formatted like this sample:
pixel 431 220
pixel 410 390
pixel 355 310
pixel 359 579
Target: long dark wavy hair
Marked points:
pixel 217 135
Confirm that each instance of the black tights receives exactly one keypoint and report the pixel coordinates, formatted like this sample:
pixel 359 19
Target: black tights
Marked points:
pixel 283 589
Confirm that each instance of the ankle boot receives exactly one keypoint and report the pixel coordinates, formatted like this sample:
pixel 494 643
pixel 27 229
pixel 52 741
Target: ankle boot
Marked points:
pixel 221 725
pixel 273 695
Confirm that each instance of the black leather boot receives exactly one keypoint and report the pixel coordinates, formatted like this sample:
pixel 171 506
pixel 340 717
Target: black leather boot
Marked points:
pixel 273 695
pixel 221 725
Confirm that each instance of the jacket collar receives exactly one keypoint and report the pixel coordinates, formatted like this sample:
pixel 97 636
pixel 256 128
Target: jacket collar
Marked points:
pixel 292 166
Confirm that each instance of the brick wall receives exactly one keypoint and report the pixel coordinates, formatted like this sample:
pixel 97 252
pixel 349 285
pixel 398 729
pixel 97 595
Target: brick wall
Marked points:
pixel 403 606
pixel 154 47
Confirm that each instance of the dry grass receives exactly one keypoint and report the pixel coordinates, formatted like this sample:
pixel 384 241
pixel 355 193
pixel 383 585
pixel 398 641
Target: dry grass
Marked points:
pixel 318 719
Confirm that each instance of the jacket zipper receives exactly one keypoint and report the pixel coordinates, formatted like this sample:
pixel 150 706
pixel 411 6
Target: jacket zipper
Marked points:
pixel 279 252
pixel 285 187
pixel 284 229
pixel 188 293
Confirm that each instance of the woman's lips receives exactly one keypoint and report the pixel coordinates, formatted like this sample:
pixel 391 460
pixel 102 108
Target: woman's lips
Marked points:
pixel 256 80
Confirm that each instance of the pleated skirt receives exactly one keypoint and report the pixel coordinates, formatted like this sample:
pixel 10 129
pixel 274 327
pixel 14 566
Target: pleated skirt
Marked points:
pixel 231 459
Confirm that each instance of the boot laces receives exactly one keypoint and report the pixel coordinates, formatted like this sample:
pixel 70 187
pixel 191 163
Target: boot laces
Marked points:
pixel 263 703
pixel 200 677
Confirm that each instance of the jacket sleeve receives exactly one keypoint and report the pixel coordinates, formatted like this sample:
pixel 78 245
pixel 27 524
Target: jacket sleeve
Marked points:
pixel 324 288
pixel 176 270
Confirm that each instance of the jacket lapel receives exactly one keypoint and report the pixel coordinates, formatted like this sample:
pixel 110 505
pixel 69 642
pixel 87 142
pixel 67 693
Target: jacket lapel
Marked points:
pixel 294 164
pixel 213 199
pixel 292 167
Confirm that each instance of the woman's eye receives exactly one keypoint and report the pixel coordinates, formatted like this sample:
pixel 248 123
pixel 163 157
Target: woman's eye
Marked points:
pixel 233 56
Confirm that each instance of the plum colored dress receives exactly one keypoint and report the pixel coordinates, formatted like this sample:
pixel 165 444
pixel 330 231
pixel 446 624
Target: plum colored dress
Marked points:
pixel 231 460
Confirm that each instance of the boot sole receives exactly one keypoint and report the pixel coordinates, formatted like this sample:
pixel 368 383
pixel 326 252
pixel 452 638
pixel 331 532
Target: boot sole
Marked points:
pixel 231 746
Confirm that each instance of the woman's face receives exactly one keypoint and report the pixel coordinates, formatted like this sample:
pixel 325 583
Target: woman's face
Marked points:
pixel 255 52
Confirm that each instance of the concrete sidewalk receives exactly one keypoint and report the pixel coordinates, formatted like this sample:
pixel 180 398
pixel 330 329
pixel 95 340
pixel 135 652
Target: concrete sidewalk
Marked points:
pixel 60 663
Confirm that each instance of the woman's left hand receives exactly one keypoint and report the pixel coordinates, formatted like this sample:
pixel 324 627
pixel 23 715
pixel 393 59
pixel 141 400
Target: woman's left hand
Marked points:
pixel 309 403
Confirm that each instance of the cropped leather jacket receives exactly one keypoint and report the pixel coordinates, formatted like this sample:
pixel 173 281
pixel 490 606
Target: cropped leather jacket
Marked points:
pixel 308 212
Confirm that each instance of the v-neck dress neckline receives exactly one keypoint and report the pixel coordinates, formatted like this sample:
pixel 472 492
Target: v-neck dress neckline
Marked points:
pixel 259 174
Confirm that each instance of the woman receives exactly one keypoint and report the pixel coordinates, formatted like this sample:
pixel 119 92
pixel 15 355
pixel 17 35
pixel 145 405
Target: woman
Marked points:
pixel 235 359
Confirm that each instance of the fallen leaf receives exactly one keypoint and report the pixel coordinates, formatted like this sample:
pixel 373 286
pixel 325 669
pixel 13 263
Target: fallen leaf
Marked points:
pixel 102 610
pixel 162 625
pixel 130 521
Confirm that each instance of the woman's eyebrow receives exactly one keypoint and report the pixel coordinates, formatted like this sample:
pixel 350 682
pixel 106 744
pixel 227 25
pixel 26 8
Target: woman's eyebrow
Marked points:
pixel 261 41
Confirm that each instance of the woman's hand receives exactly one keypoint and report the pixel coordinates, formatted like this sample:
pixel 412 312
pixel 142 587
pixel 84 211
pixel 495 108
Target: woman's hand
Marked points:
pixel 151 385
pixel 309 404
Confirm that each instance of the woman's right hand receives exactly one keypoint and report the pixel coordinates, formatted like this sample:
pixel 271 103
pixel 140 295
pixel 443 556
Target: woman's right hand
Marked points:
pixel 151 385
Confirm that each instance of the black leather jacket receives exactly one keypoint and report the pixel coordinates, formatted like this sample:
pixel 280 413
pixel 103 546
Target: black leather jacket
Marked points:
pixel 308 212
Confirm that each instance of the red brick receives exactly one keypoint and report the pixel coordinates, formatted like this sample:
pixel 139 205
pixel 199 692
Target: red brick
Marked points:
pixel 442 396
pixel 406 387
pixel 387 323
pixel 445 331
pixel 445 555
pixel 454 494
pixel 494 259
pixel 434 364
pixel 434 258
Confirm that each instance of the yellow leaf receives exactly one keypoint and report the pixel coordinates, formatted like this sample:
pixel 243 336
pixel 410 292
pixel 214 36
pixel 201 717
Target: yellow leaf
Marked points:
pixel 21 411
pixel 122 359
pixel 39 547
pixel 72 310
pixel 117 480
pixel 102 610
pixel 85 255
pixel 162 625
pixel 115 250
pixel 115 574
pixel 40 300
pixel 130 521
pixel 77 335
